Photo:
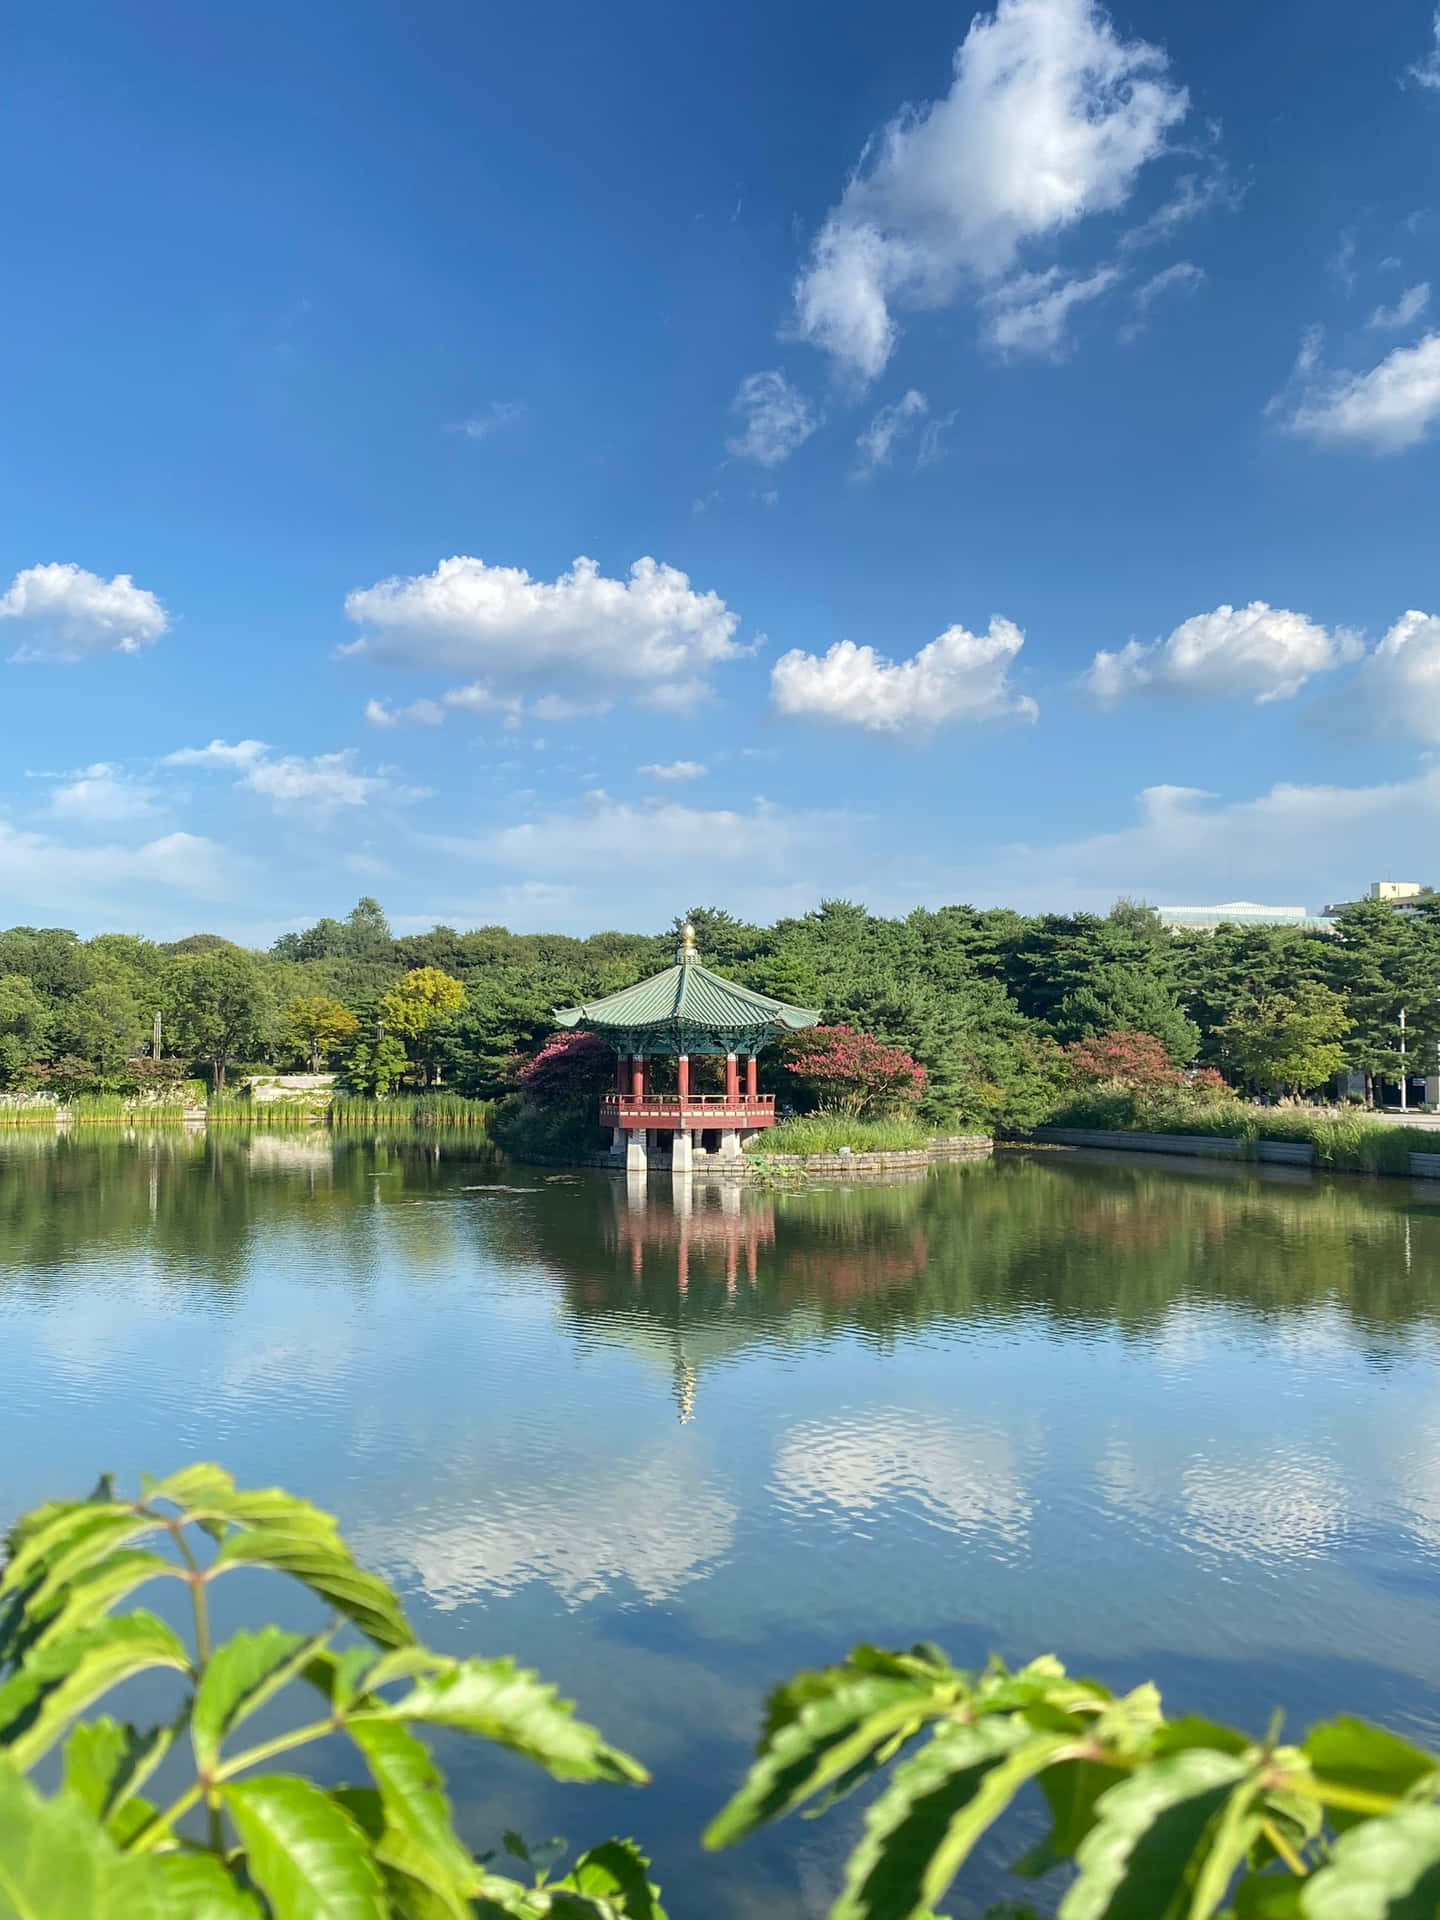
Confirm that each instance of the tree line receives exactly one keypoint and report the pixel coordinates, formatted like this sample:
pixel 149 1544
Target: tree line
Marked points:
pixel 985 1000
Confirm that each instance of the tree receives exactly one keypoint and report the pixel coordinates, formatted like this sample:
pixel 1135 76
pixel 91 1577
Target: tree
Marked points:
pixel 854 1073
pixel 376 1065
pixel 317 1024
pixel 367 931
pixel 1383 962
pixel 1124 999
pixel 103 1025
pixel 1289 1043
pixel 216 1003
pixel 25 1025
pixel 1137 1061
pixel 415 1008
pixel 571 1069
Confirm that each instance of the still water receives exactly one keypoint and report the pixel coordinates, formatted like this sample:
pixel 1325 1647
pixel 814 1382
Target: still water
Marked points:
pixel 1170 1421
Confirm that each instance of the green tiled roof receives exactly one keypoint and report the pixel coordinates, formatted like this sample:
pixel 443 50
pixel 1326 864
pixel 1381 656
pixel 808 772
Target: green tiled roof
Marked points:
pixel 686 995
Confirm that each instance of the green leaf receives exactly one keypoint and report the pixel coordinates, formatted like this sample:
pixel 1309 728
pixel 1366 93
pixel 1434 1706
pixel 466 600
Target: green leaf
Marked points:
pixel 1071 1789
pixel 1351 1753
pixel 419 1838
pixel 937 1805
pixel 1387 1868
pixel 195 1886
pixel 827 1736
pixel 88 1597
pixel 57 1864
pixel 239 1677
pixel 59 1681
pixel 618 1871
pixel 507 1704
pixel 76 1537
pixel 303 1850
pixel 1268 1896
pixel 325 1566
pixel 1141 1859
pixel 106 1764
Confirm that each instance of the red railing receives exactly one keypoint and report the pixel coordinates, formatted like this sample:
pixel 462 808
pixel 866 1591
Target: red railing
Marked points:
pixel 695 1110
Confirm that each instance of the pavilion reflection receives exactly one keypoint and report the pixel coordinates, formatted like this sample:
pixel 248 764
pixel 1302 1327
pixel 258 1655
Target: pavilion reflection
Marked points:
pixel 705 1221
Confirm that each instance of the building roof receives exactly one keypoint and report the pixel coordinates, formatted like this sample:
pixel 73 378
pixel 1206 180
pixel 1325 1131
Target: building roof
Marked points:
pixel 687 996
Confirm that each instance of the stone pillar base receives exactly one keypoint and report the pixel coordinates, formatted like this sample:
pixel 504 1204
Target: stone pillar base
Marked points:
pixel 729 1144
pixel 617 1144
pixel 637 1160
pixel 682 1152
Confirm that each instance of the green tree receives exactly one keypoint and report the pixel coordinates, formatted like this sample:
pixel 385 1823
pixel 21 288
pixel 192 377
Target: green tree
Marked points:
pixel 376 1065
pixel 25 1026
pixel 1126 999
pixel 1385 962
pixel 367 931
pixel 1288 1043
pixel 216 1006
pixel 316 1025
pixel 422 1002
pixel 104 1025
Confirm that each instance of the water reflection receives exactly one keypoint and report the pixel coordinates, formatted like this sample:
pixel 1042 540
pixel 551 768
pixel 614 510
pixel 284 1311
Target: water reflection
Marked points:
pixel 669 1441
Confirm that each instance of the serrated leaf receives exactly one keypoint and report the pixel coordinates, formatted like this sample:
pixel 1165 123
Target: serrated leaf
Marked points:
pixel 419 1837
pixel 58 1682
pixel 1351 1753
pixel 238 1678
pixel 195 1886
pixel 1386 1868
pixel 303 1850
pixel 936 1806
pixel 826 1738
pixel 513 1707
pixel 618 1871
pixel 1141 1858
pixel 72 1539
pixel 107 1763
pixel 327 1569
pixel 56 1864
pixel 90 1595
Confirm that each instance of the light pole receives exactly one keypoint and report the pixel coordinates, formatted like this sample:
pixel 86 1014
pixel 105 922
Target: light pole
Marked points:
pixel 1404 1074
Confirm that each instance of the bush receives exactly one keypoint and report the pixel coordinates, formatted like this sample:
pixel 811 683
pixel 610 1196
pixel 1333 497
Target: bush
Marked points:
pixel 571 1069
pixel 824 1132
pixel 545 1133
pixel 845 1071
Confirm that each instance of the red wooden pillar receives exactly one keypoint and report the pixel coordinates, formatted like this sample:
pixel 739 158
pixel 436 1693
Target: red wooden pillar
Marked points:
pixel 752 1082
pixel 732 1080
pixel 637 1076
pixel 682 1077
pixel 622 1074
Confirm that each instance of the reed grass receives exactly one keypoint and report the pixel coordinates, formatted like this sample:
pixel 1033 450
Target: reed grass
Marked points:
pixel 400 1110
pixel 828 1132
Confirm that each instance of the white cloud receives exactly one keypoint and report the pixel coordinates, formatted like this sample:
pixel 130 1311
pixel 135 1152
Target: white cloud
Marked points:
pixel 776 418
pixel 1406 310
pixel 1427 71
pixel 1388 409
pixel 1396 694
pixel 490 419
pixel 1050 119
pixel 1183 277
pixel 960 676
pixel 676 770
pixel 1029 314
pixel 219 753
pixel 61 612
pixel 37 867
pixel 1261 650
pixel 1194 194
pixel 962 1481
pixel 319 781
pixel 877 442
pixel 101 796
pixel 651 634
pixel 420 713
pixel 604 832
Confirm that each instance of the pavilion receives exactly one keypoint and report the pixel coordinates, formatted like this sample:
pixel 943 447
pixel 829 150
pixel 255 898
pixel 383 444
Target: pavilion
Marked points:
pixel 682 1013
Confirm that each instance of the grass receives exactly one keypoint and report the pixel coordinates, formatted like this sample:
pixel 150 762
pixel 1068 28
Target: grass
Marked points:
pixel 1343 1143
pixel 828 1132
pixel 437 1109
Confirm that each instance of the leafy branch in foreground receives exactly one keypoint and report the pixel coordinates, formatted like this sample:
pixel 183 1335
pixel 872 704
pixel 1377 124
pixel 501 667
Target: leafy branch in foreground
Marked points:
pixel 1154 1819
pixel 232 1840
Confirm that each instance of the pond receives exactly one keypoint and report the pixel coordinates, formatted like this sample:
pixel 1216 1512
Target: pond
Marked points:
pixel 1168 1420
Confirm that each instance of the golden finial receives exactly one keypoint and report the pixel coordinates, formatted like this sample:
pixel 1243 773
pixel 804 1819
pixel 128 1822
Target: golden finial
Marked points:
pixel 688 949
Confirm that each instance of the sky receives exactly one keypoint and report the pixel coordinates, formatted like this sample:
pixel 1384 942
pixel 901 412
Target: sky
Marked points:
pixel 558 466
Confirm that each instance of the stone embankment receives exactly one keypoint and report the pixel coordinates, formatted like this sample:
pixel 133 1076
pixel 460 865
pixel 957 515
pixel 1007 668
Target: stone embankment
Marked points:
pixel 906 1163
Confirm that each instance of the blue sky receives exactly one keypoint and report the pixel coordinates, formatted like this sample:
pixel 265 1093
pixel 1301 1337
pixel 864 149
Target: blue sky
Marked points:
pixel 559 465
